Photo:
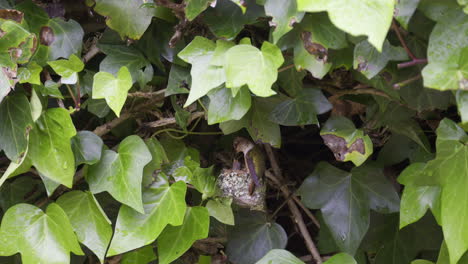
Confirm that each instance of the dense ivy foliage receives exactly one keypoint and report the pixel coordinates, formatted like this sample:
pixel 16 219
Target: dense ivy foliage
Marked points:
pixel 201 131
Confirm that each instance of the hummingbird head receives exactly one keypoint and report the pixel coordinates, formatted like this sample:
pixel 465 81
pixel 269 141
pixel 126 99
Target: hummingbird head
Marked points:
pixel 244 145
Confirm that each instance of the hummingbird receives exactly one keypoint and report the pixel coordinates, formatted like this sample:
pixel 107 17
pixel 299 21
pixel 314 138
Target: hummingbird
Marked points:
pixel 254 160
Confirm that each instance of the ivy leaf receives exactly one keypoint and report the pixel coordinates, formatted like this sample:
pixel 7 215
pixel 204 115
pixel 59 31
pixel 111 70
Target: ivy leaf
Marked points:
pixel 226 20
pixel 204 181
pixel 279 256
pixel 345 198
pixel 141 255
pixel 119 56
pixel 87 147
pixel 121 173
pixel 290 80
pixel 341 258
pixel 30 73
pixel 302 109
pixel 224 107
pixel 323 31
pixel 195 7
pixel 304 60
pixel 247 65
pixel 356 17
pixel 253 237
pixel 284 15
pixel 5 84
pixel 404 10
pixel 164 204
pixel 205 76
pixel 159 157
pixel 179 81
pixel 128 17
pixel 12 193
pixel 68 69
pixel 15 124
pixel 89 222
pixel 449 169
pixel 257 122
pixel 114 90
pixel 220 208
pixel 67 38
pixel 50 147
pixel 175 240
pixel 448 67
pixel 417 199
pixel 345 141
pixel 462 103
pixel 39 237
pixel 370 62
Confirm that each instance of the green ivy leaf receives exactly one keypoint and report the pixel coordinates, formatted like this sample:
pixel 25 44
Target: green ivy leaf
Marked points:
pixel 119 56
pixel 195 7
pixel 205 76
pixel 89 222
pixel 39 237
pixel 302 109
pixel 341 258
pixel 67 38
pixel 220 208
pixel 164 204
pixel 257 122
pixel 179 81
pixel 87 147
pixel 30 73
pixel 13 192
pixel 247 65
pixel 141 255
pixel 226 20
pixel 128 17
pixel 175 240
pixel 68 69
pixel 284 15
pixel 114 90
pixel 204 181
pixel 448 54
pixel 253 237
pixel 345 198
pixel 356 17
pixel 50 147
pixel 159 158
pixel 280 256
pixel 304 60
pixel 416 199
pixel 345 141
pixel 323 31
pixel 404 10
pixel 370 62
pixel 15 124
pixel 462 103
pixel 121 173
pixel 224 107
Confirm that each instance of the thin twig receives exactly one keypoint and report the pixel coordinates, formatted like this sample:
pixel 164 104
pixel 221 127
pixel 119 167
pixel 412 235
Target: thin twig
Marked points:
pixel 406 82
pixel 147 94
pixel 286 68
pixel 277 178
pixel 338 92
pixel 306 211
pixel 402 41
pixel 93 51
pixel 411 63
pixel 172 120
pixel 107 127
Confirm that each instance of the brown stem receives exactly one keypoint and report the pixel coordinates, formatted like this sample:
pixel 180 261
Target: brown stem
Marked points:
pixel 406 82
pixel 285 68
pixel 72 96
pixel 338 92
pixel 411 63
pixel 93 51
pixel 307 211
pixel 402 41
pixel 277 178
pixel 107 127
pixel 172 120
pixel 147 94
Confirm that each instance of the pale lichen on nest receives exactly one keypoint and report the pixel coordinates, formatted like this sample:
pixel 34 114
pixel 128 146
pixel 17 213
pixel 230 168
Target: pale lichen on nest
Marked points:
pixel 235 184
